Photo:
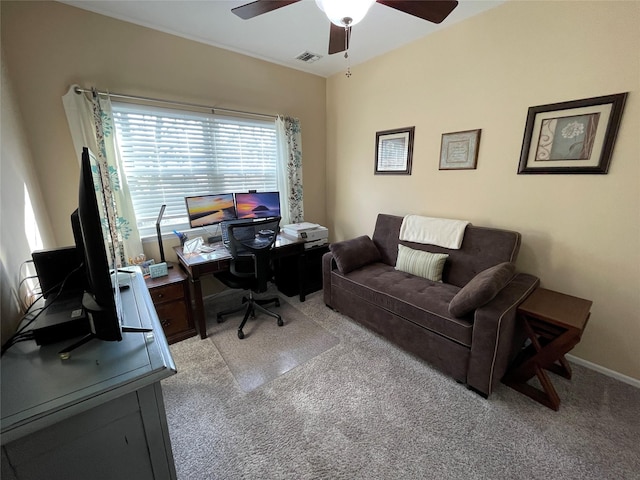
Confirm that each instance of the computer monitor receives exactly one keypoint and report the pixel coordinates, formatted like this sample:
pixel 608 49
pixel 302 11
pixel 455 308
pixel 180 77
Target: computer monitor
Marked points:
pixel 206 210
pixel 257 204
pixel 55 265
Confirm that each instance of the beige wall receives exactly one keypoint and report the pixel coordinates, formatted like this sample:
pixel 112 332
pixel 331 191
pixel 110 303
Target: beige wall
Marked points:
pixel 581 233
pixel 24 221
pixel 50 46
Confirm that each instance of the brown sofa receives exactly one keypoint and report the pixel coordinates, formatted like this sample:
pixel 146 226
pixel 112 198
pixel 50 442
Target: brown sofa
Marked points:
pixel 474 346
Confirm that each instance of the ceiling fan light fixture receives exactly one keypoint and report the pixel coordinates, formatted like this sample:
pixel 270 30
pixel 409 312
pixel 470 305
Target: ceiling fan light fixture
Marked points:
pixel 345 13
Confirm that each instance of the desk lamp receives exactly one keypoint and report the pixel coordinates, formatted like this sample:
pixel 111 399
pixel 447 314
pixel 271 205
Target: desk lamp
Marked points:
pixel 160 246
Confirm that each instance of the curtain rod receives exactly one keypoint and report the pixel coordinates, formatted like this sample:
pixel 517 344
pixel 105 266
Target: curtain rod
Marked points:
pixel 79 91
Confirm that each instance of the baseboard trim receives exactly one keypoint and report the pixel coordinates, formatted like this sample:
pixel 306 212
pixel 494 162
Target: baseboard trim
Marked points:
pixel 605 371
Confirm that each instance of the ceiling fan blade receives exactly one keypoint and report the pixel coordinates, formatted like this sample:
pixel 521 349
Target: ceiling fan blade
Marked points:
pixel 431 10
pixel 259 7
pixel 337 37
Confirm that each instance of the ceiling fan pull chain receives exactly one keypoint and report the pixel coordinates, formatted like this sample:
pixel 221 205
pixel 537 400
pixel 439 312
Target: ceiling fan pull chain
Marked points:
pixel 347 34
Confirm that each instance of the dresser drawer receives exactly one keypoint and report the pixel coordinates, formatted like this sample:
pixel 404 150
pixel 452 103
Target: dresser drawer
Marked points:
pixel 167 293
pixel 174 317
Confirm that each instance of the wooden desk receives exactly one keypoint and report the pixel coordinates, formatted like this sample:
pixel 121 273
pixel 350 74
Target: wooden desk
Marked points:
pixel 554 323
pixel 99 414
pixel 198 264
pixel 172 299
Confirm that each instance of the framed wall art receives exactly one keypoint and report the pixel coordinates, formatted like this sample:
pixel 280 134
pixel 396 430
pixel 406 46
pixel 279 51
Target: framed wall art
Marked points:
pixel 394 151
pixel 571 137
pixel 459 150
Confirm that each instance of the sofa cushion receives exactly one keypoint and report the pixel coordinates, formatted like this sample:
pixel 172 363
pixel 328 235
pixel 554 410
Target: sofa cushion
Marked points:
pixel 481 289
pixel 481 248
pixel 418 300
pixel 423 264
pixel 354 253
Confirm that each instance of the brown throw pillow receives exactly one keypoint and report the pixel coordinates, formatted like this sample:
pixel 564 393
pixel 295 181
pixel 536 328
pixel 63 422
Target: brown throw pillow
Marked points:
pixel 355 253
pixel 481 289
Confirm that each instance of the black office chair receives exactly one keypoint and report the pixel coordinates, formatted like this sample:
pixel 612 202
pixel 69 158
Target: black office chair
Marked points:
pixel 250 244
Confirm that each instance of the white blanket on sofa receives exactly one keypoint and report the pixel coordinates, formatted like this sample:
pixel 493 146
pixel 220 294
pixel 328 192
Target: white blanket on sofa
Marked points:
pixel 443 232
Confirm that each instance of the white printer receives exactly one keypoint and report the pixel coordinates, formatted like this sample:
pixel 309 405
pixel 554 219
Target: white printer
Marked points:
pixel 307 231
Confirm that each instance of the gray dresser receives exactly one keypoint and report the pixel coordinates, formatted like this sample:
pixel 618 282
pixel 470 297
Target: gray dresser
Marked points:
pixel 99 414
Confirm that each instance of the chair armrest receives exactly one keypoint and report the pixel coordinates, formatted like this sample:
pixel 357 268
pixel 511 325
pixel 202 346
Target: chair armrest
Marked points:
pixel 497 335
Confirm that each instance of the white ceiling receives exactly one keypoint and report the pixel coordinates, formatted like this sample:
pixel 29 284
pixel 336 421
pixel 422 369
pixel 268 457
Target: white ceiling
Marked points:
pixel 281 35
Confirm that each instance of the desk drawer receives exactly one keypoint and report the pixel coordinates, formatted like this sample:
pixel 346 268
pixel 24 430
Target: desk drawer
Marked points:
pixel 174 317
pixel 172 299
pixel 167 293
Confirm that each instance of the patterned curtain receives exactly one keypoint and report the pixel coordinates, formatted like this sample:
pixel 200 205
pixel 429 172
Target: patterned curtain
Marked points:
pixel 290 168
pixel 91 124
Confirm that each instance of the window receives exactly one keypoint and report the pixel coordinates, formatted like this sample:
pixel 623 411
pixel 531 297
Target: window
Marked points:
pixel 171 154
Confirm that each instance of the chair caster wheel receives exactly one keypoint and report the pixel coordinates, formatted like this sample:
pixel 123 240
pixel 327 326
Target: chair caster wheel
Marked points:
pixel 240 334
pixel 219 319
pixel 277 303
pixel 280 322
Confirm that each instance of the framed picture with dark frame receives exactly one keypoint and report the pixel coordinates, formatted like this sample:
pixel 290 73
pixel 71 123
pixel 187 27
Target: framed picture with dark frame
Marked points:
pixel 571 137
pixel 459 150
pixel 394 151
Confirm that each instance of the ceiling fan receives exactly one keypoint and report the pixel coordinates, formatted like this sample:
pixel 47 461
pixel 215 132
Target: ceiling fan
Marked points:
pixel 343 14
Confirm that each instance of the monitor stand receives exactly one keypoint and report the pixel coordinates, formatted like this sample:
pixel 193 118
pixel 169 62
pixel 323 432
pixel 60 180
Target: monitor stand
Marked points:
pixel 96 313
pixel 65 353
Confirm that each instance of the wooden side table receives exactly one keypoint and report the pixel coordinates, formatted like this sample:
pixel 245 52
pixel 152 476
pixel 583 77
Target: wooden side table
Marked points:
pixel 172 298
pixel 554 323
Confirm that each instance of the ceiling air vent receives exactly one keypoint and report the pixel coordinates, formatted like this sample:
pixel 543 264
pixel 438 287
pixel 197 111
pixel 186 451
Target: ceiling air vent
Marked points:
pixel 308 57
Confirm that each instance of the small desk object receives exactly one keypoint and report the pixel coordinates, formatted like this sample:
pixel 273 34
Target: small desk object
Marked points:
pixel 99 414
pixel 554 323
pixel 218 259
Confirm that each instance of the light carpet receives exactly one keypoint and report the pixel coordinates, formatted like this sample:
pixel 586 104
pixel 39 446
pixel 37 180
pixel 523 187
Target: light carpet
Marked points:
pixel 267 350
pixel 366 409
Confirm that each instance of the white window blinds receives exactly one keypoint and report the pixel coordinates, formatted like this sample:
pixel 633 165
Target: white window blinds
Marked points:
pixel 171 154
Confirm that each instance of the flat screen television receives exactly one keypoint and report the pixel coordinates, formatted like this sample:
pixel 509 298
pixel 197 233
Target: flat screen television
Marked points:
pixel 257 204
pixel 212 209
pixel 102 298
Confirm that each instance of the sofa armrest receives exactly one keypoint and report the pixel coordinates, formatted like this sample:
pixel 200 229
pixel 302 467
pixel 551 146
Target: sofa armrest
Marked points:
pixel 347 256
pixel 328 265
pixel 497 335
